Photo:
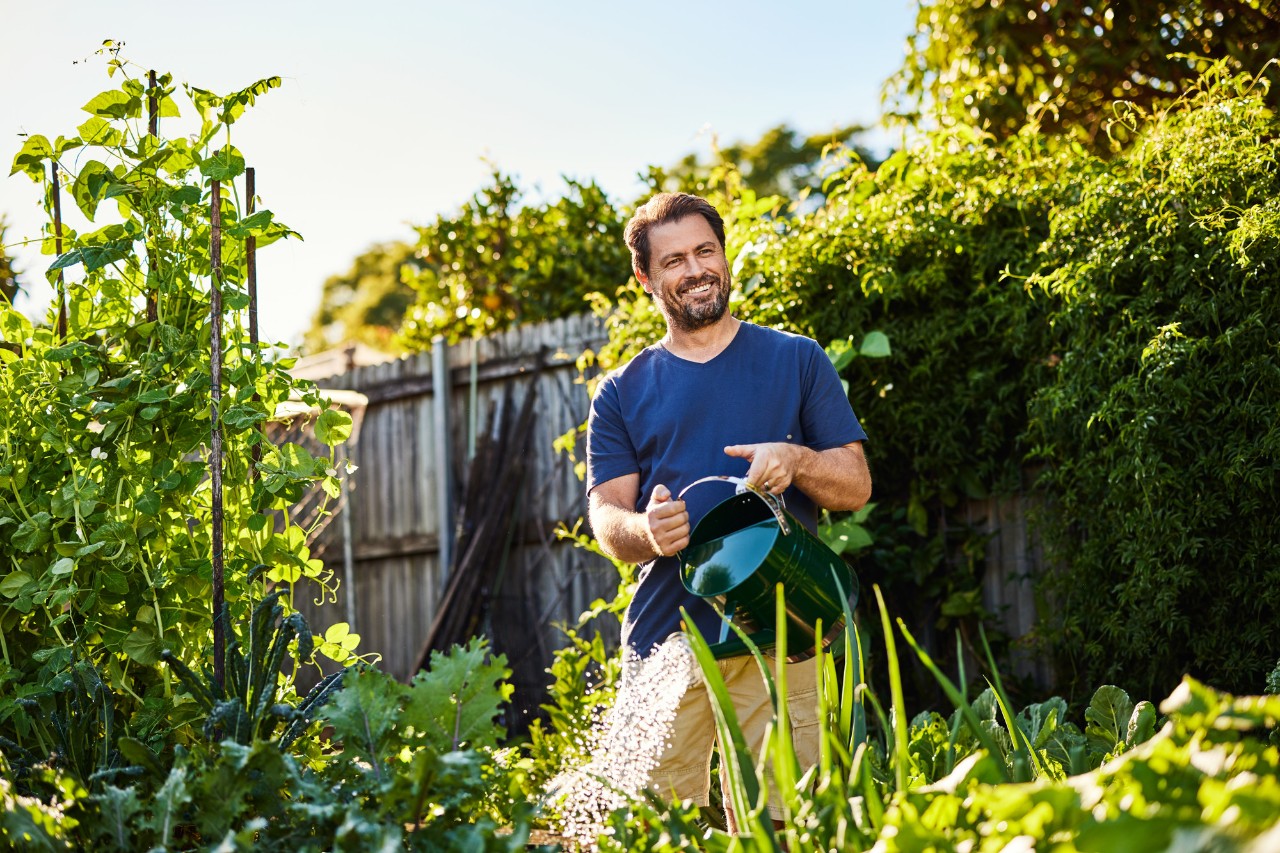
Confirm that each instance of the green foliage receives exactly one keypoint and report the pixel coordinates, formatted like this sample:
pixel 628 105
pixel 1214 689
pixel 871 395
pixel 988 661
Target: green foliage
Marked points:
pixel 1206 777
pixel 415 769
pixel 76 727
pixel 1157 429
pixel 105 510
pixel 423 754
pixel 248 705
pixel 9 282
pixel 1064 64
pixel 498 262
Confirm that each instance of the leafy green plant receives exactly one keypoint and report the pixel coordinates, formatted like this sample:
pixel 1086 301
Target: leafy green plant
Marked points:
pixel 1066 65
pixel 1165 319
pixel 78 730
pixel 414 767
pixel 989 778
pixel 423 755
pixel 248 706
pixel 105 500
pixel 105 505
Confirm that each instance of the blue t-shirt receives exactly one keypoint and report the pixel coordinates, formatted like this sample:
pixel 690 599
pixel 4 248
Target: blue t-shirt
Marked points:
pixel 669 420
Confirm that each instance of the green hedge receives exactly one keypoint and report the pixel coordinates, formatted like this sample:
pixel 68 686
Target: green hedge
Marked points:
pixel 1161 427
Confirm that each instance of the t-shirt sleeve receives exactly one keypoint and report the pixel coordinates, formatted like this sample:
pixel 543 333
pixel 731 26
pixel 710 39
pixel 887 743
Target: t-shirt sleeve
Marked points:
pixel 827 417
pixel 610 453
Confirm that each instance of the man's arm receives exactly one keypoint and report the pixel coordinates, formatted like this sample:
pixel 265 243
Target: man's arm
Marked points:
pixel 837 478
pixel 637 537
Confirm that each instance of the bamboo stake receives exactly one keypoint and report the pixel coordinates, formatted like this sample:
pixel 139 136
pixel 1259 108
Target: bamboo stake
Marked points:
pixel 56 189
pixel 153 106
pixel 153 128
pixel 251 262
pixel 215 449
pixel 251 259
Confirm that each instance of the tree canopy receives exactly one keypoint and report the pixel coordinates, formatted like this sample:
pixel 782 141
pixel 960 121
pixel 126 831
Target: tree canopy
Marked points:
pixel 781 162
pixel 1065 63
pixel 367 303
pixel 498 261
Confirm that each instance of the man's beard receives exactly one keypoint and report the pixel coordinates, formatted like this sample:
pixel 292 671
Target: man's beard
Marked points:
pixel 690 318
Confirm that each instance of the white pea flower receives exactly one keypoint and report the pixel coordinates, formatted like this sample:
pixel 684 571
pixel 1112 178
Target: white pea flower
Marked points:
pixel 29 342
pixel 95 426
pixel 331 472
pixel 98 453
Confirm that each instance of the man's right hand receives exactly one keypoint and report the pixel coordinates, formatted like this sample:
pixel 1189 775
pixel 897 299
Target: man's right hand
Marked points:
pixel 668 522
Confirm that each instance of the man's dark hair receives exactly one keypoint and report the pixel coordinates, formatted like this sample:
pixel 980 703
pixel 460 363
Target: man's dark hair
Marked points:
pixel 659 210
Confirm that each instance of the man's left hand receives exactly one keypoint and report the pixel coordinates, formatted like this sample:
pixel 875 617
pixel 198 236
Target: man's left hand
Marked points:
pixel 773 464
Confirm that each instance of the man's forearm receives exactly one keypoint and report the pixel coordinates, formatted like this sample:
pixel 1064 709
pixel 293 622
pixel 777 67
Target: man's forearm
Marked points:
pixel 624 535
pixel 834 479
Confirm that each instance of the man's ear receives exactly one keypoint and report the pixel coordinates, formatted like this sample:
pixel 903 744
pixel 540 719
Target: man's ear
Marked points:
pixel 642 278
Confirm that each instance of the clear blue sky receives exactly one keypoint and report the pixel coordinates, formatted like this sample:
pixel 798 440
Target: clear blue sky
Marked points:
pixel 388 108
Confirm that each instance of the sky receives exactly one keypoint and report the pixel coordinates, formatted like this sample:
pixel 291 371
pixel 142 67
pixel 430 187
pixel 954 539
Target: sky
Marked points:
pixel 390 111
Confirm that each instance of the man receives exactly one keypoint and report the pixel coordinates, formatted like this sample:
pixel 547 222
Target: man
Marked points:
pixel 716 396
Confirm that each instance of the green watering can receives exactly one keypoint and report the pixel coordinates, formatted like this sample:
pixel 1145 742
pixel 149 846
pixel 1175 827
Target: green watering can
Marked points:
pixel 737 555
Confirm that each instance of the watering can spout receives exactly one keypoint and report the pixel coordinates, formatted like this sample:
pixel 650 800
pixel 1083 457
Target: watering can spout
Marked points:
pixel 736 647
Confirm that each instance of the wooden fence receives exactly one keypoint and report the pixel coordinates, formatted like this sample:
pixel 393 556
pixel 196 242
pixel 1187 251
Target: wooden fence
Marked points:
pixel 1014 559
pixel 395 578
pixel 395 575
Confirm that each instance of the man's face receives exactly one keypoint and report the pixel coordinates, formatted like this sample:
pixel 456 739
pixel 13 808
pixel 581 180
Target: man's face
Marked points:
pixel 688 274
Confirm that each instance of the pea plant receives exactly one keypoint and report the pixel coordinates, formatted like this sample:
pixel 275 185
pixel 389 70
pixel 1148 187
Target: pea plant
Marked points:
pixel 106 486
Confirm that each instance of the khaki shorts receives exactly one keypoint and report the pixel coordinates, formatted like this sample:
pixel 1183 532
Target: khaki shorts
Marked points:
pixel 684 770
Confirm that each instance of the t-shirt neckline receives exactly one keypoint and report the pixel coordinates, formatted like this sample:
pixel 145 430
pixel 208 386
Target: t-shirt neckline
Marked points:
pixel 668 355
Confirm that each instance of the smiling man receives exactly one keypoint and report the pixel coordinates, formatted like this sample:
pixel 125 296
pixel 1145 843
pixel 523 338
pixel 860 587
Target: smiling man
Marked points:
pixel 717 395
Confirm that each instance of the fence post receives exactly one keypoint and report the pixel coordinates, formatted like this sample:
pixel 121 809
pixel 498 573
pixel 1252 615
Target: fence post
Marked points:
pixel 441 391
pixel 348 551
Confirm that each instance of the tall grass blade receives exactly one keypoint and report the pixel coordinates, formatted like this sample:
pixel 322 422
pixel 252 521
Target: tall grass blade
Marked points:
pixel 872 804
pixel 950 760
pixel 957 698
pixel 820 667
pixel 743 787
pixel 853 717
pixel 785 766
pixel 898 708
pixel 846 693
pixel 1016 734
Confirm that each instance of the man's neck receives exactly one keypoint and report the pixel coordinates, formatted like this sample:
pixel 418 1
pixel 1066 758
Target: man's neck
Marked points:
pixel 702 345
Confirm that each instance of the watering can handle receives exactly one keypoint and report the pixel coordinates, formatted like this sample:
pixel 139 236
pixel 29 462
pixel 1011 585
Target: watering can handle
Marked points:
pixel 774 503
